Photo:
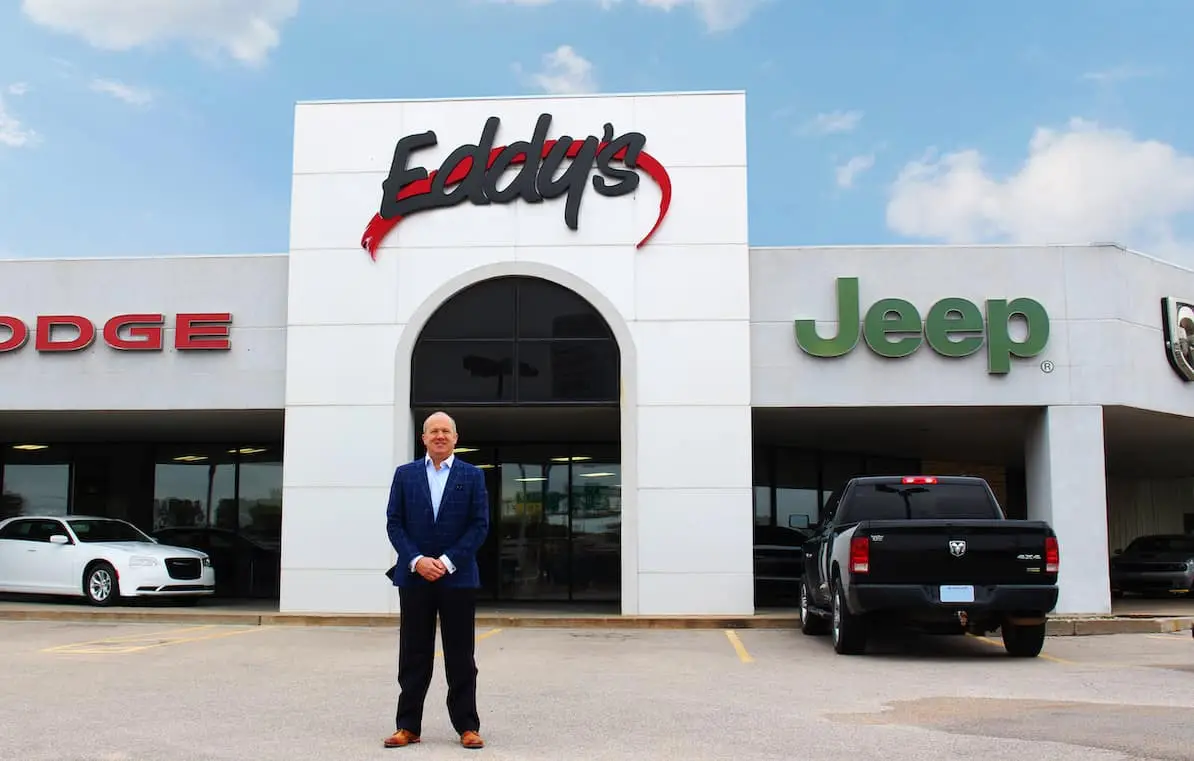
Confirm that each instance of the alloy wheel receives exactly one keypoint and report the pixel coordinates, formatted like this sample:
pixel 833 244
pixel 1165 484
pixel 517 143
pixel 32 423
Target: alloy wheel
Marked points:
pixel 99 584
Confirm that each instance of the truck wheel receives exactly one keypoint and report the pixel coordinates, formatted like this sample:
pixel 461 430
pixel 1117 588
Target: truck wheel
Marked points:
pixel 810 623
pixel 1023 641
pixel 849 632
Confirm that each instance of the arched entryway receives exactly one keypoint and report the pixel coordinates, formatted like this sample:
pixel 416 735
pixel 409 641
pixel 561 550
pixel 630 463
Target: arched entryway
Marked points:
pixel 531 372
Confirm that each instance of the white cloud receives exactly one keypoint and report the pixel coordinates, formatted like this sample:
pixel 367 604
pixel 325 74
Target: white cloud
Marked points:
pixel 849 171
pixel 247 30
pixel 18 88
pixel 833 123
pixel 1117 74
pixel 13 134
pixel 135 96
pixel 717 15
pixel 564 72
pixel 1080 184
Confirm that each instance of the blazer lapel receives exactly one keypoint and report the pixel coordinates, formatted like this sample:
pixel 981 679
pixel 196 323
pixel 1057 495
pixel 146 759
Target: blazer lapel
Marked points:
pixel 424 487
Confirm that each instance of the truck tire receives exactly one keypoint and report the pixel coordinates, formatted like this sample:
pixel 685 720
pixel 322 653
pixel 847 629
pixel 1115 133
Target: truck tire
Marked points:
pixel 848 631
pixel 811 624
pixel 1023 641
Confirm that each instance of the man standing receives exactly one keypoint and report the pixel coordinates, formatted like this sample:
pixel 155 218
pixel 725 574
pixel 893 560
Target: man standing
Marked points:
pixel 437 518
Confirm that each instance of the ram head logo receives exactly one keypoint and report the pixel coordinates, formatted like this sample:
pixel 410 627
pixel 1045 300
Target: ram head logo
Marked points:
pixel 957 548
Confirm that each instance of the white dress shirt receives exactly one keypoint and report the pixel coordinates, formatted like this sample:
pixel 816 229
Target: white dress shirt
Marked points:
pixel 437 479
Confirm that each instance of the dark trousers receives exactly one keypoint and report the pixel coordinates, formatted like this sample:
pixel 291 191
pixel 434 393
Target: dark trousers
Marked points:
pixel 456 609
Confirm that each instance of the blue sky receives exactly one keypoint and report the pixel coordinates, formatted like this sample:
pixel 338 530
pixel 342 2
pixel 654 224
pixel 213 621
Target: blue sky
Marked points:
pixel 140 127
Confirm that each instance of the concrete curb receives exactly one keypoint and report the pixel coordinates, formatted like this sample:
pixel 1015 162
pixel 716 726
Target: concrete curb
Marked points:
pixel 1058 627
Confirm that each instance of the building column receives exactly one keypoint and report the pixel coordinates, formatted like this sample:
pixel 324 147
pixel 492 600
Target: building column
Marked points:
pixel 1065 469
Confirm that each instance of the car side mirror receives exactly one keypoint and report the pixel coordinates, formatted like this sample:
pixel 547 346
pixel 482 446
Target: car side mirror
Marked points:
pixel 59 539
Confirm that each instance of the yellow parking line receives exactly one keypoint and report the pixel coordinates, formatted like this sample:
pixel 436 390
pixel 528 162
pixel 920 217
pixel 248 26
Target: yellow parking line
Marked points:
pixel 997 643
pixel 126 638
pixel 118 645
pixel 479 637
pixel 739 648
pixel 1175 637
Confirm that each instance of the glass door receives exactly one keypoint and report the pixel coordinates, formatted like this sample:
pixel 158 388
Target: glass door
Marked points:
pixel 532 526
pixel 596 529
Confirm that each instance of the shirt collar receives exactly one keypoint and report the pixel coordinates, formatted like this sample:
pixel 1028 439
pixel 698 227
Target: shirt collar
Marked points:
pixel 447 463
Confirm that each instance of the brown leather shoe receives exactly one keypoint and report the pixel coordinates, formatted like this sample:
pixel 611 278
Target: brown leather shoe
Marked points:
pixel 471 739
pixel 401 738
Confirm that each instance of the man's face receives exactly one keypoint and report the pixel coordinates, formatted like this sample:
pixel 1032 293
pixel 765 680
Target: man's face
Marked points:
pixel 438 437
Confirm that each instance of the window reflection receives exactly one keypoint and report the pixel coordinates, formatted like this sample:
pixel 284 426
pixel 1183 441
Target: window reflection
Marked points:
pixel 448 372
pixel 596 530
pixel 533 527
pixel 515 340
pixel 260 492
pixel 36 480
pixel 796 504
pixel 194 486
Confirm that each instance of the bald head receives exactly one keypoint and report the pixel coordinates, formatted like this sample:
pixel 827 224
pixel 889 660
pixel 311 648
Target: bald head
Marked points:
pixel 437 419
pixel 439 436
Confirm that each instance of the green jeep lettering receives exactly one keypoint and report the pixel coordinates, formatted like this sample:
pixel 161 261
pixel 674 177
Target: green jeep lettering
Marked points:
pixel 954 327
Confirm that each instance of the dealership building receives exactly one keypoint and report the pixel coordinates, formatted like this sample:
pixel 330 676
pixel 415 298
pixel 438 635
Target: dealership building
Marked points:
pixel 652 398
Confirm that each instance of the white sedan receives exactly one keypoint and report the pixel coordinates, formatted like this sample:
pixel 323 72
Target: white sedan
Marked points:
pixel 101 559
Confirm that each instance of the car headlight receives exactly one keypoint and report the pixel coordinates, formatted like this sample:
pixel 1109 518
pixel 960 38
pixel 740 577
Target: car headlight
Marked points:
pixel 142 561
pixel 207 562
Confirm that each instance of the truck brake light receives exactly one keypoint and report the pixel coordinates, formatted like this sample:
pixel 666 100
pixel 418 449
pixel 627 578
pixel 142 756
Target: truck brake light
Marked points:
pixel 919 479
pixel 860 555
pixel 1052 555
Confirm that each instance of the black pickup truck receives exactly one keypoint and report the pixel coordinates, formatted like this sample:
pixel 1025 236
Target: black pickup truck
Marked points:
pixel 932 553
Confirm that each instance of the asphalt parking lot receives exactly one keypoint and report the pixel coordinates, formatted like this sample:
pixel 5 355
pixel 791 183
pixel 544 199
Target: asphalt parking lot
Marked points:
pixel 136 692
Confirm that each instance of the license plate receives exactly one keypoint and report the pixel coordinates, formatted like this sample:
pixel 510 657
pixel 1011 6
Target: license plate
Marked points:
pixel 957 594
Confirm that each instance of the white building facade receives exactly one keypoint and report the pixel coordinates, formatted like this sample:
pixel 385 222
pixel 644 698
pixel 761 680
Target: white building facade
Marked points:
pixel 653 399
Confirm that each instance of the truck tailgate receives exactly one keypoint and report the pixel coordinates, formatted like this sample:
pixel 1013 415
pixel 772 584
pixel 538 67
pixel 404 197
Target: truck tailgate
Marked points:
pixel 969 552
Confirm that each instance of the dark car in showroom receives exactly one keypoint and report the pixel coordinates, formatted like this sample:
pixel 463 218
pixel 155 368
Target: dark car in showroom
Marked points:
pixel 246 566
pixel 779 562
pixel 1157 564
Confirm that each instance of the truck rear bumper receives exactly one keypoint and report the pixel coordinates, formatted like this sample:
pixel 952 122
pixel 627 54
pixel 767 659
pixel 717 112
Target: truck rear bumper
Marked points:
pixel 913 599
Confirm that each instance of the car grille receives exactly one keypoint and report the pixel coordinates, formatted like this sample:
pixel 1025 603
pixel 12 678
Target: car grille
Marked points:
pixel 183 568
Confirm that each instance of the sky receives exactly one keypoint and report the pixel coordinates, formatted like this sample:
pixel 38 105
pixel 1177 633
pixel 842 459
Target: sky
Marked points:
pixel 159 127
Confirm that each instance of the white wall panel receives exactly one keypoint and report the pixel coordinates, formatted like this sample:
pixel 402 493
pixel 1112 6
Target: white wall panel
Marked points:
pixel 695 347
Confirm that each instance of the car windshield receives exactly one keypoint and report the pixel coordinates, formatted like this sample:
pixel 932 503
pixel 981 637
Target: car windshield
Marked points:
pixel 1163 544
pixel 89 530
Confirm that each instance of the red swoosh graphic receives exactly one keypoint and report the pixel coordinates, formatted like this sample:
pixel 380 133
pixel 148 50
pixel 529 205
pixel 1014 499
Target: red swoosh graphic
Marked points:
pixel 379 227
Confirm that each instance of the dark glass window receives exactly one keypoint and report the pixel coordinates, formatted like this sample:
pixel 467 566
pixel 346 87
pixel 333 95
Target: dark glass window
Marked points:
pixel 35 480
pixel 485 310
pixel 547 310
pixel 514 340
pixel 568 371
pixel 465 371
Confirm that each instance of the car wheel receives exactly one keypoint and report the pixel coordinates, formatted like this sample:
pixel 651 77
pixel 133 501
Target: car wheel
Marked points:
pixel 810 623
pixel 849 632
pixel 99 584
pixel 1023 641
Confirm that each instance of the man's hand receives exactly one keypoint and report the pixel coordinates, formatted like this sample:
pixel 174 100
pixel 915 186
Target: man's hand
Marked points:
pixel 430 568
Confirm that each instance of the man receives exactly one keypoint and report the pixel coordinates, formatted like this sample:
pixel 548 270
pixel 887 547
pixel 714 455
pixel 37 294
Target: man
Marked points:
pixel 437 518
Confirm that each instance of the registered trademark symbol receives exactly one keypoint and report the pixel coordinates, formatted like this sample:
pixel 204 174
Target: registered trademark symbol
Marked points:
pixel 1047 366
